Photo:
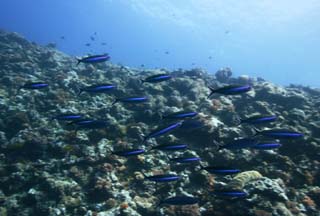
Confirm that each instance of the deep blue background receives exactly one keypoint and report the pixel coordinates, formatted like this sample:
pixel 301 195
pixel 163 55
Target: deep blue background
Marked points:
pixel 276 41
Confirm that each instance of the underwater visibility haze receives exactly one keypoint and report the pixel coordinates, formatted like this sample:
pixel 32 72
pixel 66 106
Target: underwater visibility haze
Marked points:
pixel 159 107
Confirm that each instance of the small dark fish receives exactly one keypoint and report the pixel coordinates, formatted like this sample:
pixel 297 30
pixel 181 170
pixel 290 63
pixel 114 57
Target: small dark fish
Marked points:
pixel 92 38
pixel 88 44
pixel 279 134
pixel 163 178
pixel 240 144
pixel 231 90
pixel 130 100
pixel 167 52
pixel 130 152
pixel 170 147
pixel 94 59
pixel 258 119
pixel 62 37
pixel 98 88
pixel 157 78
pixel 185 159
pixel 34 85
pixel 191 125
pixel 89 124
pixel 230 193
pixel 180 115
pixel 180 200
pixel 68 117
pixel 267 145
pixel 162 131
pixel 220 170
pixel 103 44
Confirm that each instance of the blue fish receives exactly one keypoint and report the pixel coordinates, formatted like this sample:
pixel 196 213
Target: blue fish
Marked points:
pixel 68 117
pixel 258 119
pixel 230 193
pixel 163 178
pixel 131 100
pixel 239 144
pixel 34 85
pixel 267 145
pixel 98 88
pixel 220 170
pixel 162 131
pixel 279 133
pixel 157 78
pixel 230 90
pixel 89 124
pixel 180 200
pixel 170 147
pixel 185 159
pixel 129 152
pixel 189 125
pixel 94 59
pixel 180 115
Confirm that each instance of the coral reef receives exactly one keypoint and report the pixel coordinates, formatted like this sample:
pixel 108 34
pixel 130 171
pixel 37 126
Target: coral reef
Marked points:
pixel 49 168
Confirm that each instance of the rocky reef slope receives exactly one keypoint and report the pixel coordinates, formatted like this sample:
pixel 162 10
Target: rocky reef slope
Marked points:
pixel 48 169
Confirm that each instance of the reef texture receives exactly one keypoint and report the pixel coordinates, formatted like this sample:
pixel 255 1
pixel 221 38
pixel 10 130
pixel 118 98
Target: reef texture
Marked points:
pixel 46 168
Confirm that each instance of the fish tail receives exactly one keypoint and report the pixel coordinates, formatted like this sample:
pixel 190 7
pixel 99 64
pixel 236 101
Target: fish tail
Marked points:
pixel 201 166
pixel 79 60
pixel 212 92
pixel 80 92
pixel 18 90
pixel 238 120
pixel 142 81
pixel 218 146
pixel 256 132
pixel 114 102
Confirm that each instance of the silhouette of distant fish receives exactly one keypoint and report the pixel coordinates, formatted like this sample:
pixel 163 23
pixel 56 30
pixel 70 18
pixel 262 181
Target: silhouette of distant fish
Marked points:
pixel 100 88
pixel 267 145
pixel 185 159
pixel 68 117
pixel 279 133
pixel 129 152
pixel 89 124
pixel 180 200
pixel 230 193
pixel 239 144
pixel 219 170
pixel 230 90
pixel 34 85
pixel 258 119
pixel 163 178
pixel 170 147
pixel 88 44
pixel 162 131
pixel 179 115
pixel 94 59
pixel 130 100
pixel 157 78
pixel 190 125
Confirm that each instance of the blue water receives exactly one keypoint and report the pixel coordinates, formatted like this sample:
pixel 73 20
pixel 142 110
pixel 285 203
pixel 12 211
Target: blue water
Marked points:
pixel 276 40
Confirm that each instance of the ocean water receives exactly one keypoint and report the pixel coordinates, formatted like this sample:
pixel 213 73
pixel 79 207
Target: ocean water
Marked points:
pixel 277 40
pixel 159 107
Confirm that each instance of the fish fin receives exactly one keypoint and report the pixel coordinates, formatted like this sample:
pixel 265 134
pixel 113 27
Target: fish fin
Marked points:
pixel 79 61
pixel 212 92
